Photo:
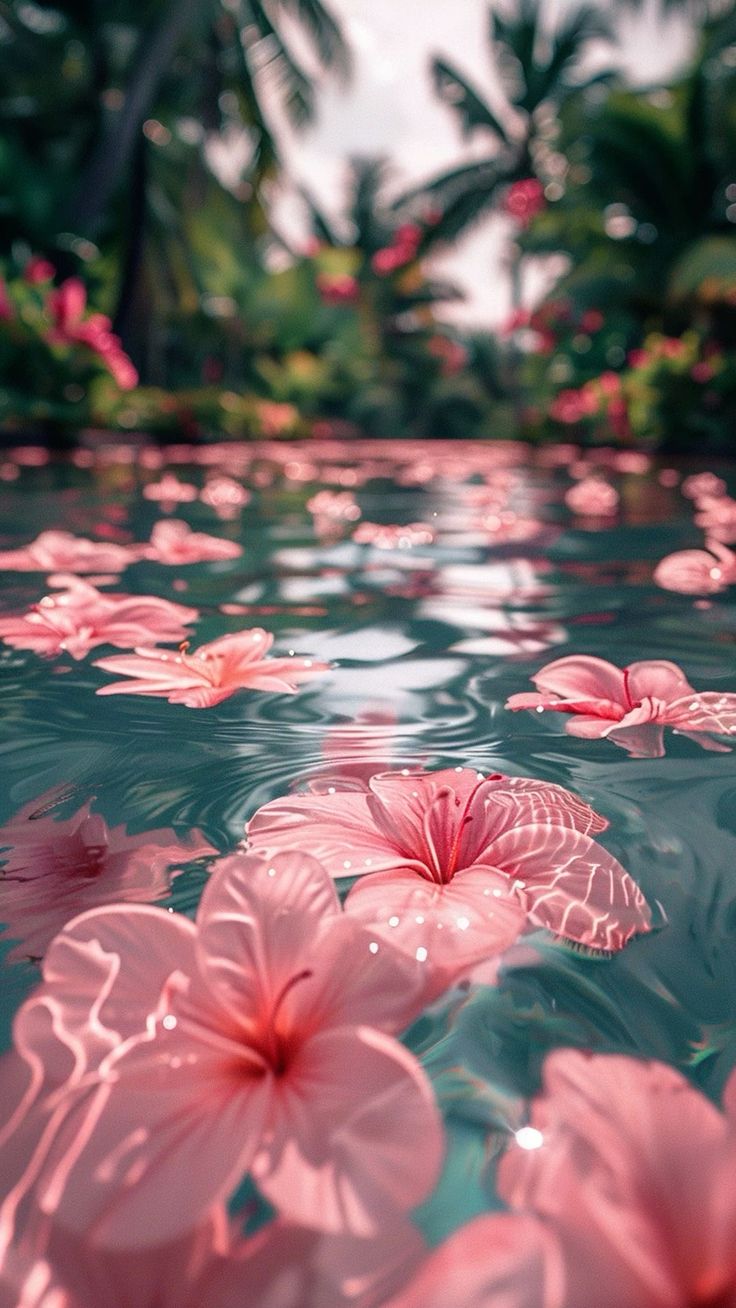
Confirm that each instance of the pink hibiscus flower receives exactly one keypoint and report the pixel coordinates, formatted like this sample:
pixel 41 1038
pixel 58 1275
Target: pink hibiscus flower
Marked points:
pixel 189 1054
pixel 56 868
pixel 697 572
pixel 500 1261
pixel 72 325
pixel 283 1266
pixel 635 1171
pixel 631 706
pixel 79 618
pixel 453 865
pixel 60 551
pixel 212 673
pixel 174 542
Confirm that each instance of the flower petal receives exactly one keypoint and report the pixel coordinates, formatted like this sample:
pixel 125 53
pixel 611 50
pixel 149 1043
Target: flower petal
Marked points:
pixel 571 885
pixel 581 677
pixel 500 1261
pixel 447 927
pixel 357 1135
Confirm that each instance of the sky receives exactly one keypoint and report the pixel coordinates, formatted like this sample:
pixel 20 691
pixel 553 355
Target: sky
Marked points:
pixel 388 108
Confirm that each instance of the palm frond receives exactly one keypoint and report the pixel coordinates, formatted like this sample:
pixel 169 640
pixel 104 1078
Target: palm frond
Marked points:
pixel 324 32
pixel 456 91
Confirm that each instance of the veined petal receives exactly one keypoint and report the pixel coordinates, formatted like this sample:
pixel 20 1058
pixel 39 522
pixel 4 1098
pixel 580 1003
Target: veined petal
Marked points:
pixel 571 885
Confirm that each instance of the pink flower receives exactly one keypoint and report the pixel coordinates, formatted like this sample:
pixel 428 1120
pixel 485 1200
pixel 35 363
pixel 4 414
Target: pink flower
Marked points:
pixel 697 572
pixel 524 200
pixel 38 270
pixel 592 497
pixel 634 1171
pixel 212 673
pixel 338 288
pixel 452 865
pixel 631 705
pixel 282 1266
pixel 7 312
pixel 340 506
pixel 717 516
pixel 252 1041
pixel 77 619
pixel 56 868
pixel 174 542
pixel 703 483
pixel 388 536
pixel 60 551
pixel 500 1261
pixel 224 495
pixel 67 306
pixel 169 490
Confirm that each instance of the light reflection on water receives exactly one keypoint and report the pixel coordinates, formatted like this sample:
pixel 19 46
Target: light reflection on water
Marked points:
pixel 428 642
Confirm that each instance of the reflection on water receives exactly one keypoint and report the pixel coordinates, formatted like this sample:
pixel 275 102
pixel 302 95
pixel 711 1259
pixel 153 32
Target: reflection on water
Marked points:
pixel 435 580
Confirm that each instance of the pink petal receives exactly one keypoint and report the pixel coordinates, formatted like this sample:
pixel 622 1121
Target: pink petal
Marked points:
pixel 703 711
pixel 499 1261
pixel 656 679
pixel 448 927
pixel 571 885
pixel 581 677
pixel 357 1135
pixel 152 1151
pixel 258 921
pixel 636 1172
pixel 338 830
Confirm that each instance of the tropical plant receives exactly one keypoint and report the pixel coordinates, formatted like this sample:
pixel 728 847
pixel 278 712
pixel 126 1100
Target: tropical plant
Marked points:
pixel 114 116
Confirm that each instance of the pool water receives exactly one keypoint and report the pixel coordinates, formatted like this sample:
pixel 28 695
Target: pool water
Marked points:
pixel 435 579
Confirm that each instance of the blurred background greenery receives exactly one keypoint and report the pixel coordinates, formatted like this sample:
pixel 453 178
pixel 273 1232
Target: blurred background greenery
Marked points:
pixel 144 287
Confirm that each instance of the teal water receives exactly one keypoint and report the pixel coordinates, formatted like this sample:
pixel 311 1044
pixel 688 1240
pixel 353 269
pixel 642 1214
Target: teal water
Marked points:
pixel 427 641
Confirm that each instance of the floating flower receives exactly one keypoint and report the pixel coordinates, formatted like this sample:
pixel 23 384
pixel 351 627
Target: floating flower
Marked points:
pixel 697 572
pixel 175 543
pixel 703 483
pixel 212 673
pixel 54 869
pixel 502 1261
pixel 282 1266
pixel 631 706
pixel 387 536
pixel 60 551
pixel 252 1041
pixel 592 497
pixel 75 620
pixel 170 491
pixel 717 516
pixel 634 1171
pixel 225 495
pixel 452 864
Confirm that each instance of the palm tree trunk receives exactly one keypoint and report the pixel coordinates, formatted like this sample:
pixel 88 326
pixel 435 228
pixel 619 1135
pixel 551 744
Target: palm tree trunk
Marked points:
pixel 112 155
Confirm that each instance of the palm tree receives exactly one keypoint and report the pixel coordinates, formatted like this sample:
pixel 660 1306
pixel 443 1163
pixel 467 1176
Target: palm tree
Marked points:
pixel 539 72
pixel 113 107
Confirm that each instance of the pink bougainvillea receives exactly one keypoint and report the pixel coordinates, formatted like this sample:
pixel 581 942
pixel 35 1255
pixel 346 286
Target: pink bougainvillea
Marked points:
pixel 211 673
pixel 452 865
pixel 167 1059
pixel 52 869
pixel 77 619
pixel 630 706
